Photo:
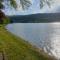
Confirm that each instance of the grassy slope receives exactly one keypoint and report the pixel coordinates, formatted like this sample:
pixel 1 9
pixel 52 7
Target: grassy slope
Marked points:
pixel 15 48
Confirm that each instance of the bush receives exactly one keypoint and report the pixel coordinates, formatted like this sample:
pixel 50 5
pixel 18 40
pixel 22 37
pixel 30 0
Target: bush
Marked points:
pixel 6 20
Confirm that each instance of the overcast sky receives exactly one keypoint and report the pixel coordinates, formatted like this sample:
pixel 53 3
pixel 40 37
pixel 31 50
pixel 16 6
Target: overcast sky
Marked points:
pixel 55 8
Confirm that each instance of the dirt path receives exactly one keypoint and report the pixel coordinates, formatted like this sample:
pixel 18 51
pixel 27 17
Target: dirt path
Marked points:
pixel 1 56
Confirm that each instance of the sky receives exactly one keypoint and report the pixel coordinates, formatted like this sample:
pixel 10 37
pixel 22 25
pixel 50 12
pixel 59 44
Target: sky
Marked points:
pixel 34 8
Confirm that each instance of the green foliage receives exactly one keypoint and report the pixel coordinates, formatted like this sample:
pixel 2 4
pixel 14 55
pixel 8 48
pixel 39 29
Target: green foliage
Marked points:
pixel 3 18
pixel 43 2
pixel 1 5
pixel 25 3
pixel 6 20
pixel 13 3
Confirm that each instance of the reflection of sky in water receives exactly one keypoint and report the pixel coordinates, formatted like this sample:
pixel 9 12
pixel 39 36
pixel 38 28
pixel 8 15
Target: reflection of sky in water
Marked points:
pixel 35 8
pixel 43 35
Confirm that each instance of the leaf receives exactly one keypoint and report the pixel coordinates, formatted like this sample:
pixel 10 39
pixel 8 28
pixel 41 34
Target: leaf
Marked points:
pixel 25 4
pixel 43 2
pixel 13 3
pixel 1 5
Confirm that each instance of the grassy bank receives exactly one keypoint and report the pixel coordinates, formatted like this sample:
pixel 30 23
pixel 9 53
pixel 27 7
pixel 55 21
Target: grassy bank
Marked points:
pixel 15 48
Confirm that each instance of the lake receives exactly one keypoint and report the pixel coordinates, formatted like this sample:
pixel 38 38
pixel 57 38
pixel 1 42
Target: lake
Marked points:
pixel 43 35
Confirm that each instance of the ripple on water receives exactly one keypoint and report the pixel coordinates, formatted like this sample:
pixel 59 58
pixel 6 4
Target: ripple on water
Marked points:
pixel 43 35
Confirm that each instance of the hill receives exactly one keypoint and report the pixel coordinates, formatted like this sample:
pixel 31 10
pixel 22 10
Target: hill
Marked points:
pixel 36 18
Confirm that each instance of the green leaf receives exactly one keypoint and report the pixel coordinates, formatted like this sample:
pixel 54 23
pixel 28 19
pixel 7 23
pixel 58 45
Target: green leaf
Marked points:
pixel 43 2
pixel 25 4
pixel 1 6
pixel 13 3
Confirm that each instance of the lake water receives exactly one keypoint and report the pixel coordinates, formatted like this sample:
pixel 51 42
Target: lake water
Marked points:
pixel 43 35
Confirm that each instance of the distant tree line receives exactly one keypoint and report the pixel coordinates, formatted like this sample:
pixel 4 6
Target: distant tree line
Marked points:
pixel 24 3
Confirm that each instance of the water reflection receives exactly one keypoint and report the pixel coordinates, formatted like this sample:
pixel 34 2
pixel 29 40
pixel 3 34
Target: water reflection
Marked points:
pixel 43 35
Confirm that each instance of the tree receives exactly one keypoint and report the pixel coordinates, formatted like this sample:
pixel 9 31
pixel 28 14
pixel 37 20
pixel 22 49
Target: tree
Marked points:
pixel 43 2
pixel 24 3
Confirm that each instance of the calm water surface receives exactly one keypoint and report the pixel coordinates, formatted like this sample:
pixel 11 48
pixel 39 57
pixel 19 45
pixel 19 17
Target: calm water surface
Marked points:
pixel 43 35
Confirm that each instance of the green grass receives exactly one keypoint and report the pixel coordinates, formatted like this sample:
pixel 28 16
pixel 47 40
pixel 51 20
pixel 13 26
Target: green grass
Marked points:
pixel 15 48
